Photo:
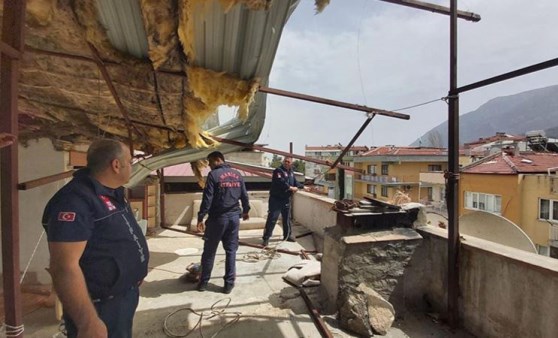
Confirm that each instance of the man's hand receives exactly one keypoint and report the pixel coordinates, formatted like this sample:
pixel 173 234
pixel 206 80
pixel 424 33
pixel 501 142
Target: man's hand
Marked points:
pixel 245 216
pixel 306 188
pixel 201 227
pixel 93 329
pixel 293 189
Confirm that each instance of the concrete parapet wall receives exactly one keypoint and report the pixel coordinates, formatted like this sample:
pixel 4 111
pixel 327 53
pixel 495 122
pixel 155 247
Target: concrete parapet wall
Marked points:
pixel 314 212
pixel 504 292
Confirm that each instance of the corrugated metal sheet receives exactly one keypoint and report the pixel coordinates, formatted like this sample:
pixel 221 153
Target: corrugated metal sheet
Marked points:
pixel 241 41
pixel 124 25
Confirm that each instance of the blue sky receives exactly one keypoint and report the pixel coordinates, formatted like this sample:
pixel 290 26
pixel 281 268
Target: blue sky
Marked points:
pixel 388 56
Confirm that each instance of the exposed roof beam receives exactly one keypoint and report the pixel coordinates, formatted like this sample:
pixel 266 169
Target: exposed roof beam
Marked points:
pixel 334 103
pixel 469 16
pixel 9 50
pixel 44 180
pixel 110 85
pixel 261 89
pixel 509 75
pixel 362 128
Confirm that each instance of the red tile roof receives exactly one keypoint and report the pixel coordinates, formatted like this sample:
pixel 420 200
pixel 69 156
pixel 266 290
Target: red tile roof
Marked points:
pixel 497 137
pixel 507 164
pixel 406 151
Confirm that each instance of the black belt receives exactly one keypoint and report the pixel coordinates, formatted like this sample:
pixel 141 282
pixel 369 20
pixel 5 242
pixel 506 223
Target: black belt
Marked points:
pixel 102 299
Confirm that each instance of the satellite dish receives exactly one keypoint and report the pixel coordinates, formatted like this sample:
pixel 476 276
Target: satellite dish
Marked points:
pixel 495 228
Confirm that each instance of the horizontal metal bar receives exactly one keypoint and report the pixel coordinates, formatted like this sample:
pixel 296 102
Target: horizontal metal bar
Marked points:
pixel 333 103
pixel 282 153
pixel 9 50
pixel 44 180
pixel 509 75
pixel 469 16
pixel 250 170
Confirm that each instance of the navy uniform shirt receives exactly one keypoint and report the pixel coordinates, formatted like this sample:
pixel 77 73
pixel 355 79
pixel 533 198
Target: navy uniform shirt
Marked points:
pixel 116 254
pixel 223 188
pixel 282 180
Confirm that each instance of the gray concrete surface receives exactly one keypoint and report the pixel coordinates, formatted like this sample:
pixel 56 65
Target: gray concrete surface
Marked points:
pixel 268 307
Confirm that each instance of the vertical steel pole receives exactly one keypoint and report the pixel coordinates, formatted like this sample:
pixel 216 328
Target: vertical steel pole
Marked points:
pixel 13 24
pixel 161 174
pixel 453 176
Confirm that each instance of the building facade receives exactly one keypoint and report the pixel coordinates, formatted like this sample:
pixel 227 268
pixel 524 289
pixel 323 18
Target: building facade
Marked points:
pixel 522 187
pixel 391 172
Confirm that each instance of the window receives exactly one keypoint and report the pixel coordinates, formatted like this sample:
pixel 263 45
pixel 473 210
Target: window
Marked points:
pixel 485 202
pixel 430 193
pixel 372 169
pixel 548 209
pixel 434 167
pixel 385 169
pixel 384 191
pixel 371 189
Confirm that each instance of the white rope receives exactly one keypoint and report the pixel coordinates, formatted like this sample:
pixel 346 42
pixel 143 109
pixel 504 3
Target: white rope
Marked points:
pixel 12 331
pixel 213 312
pixel 31 258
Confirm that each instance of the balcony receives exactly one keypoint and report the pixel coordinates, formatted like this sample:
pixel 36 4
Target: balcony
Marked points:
pixel 385 179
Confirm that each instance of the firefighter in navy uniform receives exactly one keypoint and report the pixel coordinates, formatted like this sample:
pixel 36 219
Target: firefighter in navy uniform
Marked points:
pixel 224 187
pixel 283 185
pixel 98 254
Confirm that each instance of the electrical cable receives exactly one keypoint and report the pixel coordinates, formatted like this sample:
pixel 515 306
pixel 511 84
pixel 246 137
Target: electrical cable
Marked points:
pixel 420 104
pixel 202 315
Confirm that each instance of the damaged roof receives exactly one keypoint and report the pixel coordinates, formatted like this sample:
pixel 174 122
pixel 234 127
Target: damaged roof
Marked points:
pixel 151 73
pixel 154 71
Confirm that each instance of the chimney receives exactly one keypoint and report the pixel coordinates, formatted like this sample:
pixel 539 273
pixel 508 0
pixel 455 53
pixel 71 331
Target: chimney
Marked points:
pixel 510 150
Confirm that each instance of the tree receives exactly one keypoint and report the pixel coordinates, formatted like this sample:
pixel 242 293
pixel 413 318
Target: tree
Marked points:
pixel 299 166
pixel 276 161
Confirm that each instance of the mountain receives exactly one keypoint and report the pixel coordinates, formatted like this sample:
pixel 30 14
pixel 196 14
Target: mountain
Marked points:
pixel 515 114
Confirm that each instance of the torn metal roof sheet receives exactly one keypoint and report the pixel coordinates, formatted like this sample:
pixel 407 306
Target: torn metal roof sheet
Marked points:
pixel 149 72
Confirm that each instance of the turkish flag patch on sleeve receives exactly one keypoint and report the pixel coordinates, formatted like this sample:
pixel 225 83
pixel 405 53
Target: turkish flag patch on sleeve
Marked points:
pixel 66 216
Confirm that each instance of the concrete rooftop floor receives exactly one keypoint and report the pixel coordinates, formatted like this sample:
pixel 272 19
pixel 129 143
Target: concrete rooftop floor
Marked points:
pixel 268 307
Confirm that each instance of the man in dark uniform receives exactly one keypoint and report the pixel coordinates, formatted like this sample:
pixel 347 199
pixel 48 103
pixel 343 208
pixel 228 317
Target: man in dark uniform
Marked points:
pixel 283 185
pixel 224 187
pixel 98 254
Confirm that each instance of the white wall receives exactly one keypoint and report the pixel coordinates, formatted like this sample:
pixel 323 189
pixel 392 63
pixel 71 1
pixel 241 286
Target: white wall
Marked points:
pixel 178 207
pixel 38 160
pixel 314 212
pixel 504 292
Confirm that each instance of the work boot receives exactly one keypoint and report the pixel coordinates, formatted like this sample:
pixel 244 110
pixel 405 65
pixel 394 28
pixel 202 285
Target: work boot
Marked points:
pixel 202 287
pixel 228 288
pixel 290 239
pixel 265 242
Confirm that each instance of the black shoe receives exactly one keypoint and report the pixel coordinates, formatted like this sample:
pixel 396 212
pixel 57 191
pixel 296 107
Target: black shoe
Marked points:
pixel 290 239
pixel 265 242
pixel 228 288
pixel 202 287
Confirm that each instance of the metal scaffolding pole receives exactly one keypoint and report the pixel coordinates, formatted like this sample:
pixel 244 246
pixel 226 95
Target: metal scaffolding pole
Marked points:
pixel 13 25
pixel 453 176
